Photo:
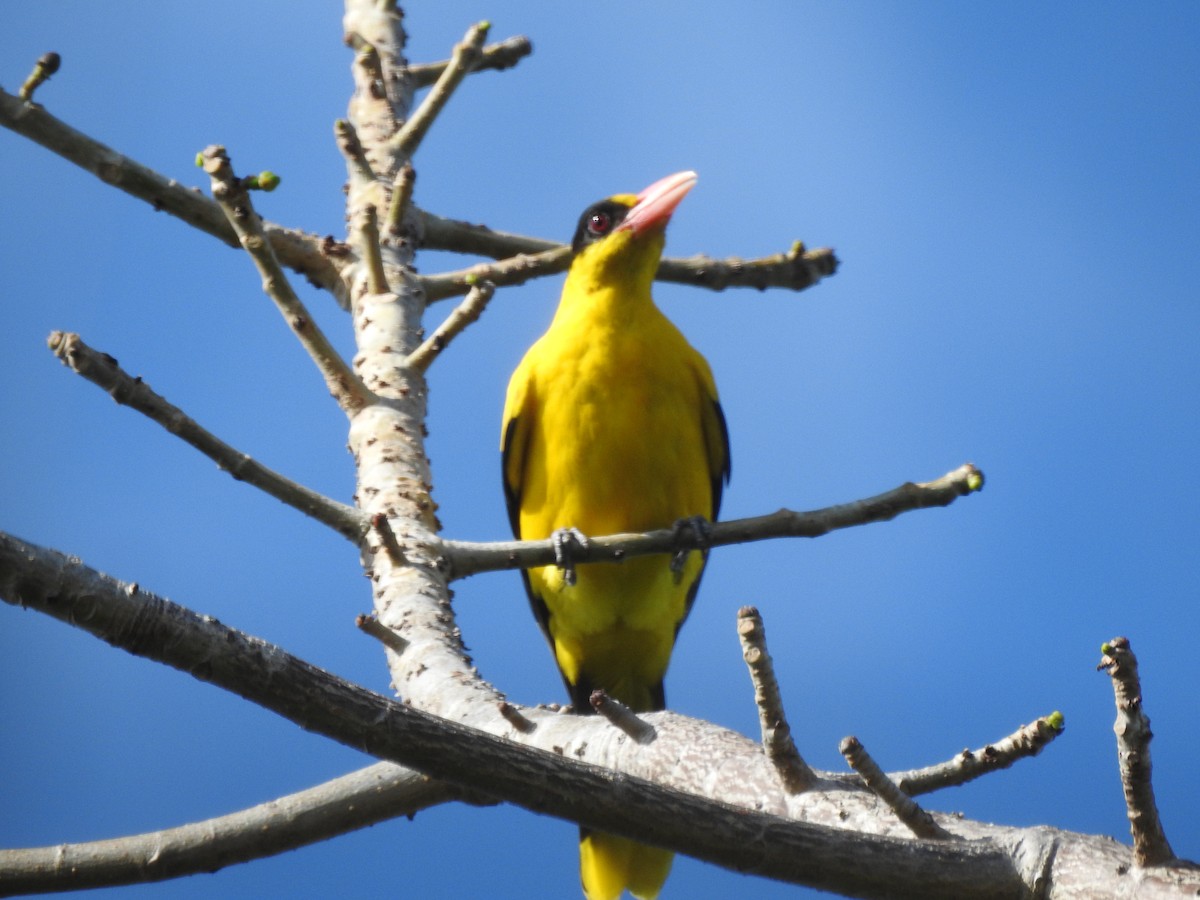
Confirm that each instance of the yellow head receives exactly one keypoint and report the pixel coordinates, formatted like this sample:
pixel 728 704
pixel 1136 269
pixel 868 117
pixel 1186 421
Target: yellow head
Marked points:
pixel 620 240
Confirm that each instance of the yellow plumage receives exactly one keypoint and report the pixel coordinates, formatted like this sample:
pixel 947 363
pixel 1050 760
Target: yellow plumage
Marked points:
pixel 612 424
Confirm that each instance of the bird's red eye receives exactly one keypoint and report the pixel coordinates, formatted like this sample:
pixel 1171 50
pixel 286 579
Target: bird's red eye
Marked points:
pixel 599 223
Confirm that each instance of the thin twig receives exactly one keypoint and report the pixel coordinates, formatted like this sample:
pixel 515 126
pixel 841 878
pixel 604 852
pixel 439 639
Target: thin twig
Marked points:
pixel 623 717
pixel 516 718
pixel 463 558
pixel 391 546
pixel 465 56
pixel 102 370
pixel 464 314
pixel 352 149
pixel 375 794
pixel 499 56
pixel 1027 741
pixel 505 273
pixel 376 629
pixel 796 270
pixel 295 249
pixel 349 392
pixel 402 190
pixel 368 249
pixel 1132 727
pixel 47 65
pixel 439 233
pixel 906 809
pixel 777 741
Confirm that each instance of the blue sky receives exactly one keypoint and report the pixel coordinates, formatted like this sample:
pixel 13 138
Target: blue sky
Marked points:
pixel 1014 196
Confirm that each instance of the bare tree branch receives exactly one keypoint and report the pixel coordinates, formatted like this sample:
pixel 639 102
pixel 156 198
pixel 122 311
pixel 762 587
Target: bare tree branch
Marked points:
pixel 461 559
pixel 507 272
pixel 523 259
pixel 402 191
pixel 516 718
pixel 993 863
pixel 437 233
pixel 374 794
pixel 919 822
pixel 1025 742
pixel 299 251
pixel 466 56
pixel 366 238
pixel 104 371
pixel 499 56
pixel 233 198
pixel 776 734
pixel 1150 847
pixel 620 715
pixel 348 142
pixel 463 315
pixel 866 864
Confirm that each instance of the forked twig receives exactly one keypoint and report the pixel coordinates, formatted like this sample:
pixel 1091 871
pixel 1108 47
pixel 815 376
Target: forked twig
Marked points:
pixel 465 57
pixel 502 55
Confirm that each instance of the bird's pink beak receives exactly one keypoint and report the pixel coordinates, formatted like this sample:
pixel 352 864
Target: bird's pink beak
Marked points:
pixel 656 203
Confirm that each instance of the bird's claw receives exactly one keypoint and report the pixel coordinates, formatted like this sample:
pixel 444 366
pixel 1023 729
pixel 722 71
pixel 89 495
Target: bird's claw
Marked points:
pixel 567 542
pixel 691 533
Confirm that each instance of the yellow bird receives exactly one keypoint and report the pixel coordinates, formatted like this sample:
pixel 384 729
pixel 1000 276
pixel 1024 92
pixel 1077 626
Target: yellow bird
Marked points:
pixel 612 424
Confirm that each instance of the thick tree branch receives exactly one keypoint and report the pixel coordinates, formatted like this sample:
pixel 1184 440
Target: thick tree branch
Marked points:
pixel 499 56
pixel 463 558
pixel 104 371
pixel 302 252
pixel 374 794
pixel 1132 727
pixel 864 864
pixel 993 862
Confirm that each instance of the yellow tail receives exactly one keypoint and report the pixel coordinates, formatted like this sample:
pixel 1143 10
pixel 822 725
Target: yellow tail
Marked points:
pixel 609 865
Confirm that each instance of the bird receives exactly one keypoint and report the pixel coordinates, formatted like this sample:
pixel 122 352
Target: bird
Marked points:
pixel 612 424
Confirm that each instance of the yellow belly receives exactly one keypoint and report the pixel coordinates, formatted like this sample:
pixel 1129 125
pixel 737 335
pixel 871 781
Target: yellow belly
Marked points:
pixel 619 447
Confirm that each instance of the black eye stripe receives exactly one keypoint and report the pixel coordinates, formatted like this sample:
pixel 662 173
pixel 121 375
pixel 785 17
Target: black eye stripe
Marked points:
pixel 598 220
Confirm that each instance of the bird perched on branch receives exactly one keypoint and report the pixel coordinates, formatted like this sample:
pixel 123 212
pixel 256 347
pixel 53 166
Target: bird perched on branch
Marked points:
pixel 612 424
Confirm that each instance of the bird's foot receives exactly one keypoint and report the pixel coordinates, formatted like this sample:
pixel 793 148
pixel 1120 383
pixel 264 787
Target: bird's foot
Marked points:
pixel 567 543
pixel 692 533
